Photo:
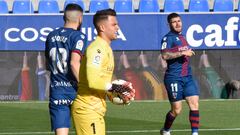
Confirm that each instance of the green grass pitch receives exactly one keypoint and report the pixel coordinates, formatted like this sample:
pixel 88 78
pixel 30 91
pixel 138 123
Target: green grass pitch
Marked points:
pixel 218 117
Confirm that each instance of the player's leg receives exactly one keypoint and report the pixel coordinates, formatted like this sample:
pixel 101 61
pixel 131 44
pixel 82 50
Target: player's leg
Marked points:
pixel 60 112
pixel 87 122
pixel 176 108
pixel 192 97
pixel 193 102
pixel 175 95
pixel 60 119
pixel 61 131
pixel 193 113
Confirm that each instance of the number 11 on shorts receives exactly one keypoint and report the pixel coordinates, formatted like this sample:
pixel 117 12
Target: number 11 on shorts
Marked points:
pixel 174 88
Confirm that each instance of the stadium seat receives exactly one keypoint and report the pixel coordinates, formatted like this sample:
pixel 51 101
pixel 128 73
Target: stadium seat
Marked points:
pixel 198 6
pixel 239 6
pixel 173 6
pixel 96 5
pixel 223 6
pixel 22 7
pixel 3 7
pixel 148 6
pixel 48 6
pixel 79 2
pixel 123 6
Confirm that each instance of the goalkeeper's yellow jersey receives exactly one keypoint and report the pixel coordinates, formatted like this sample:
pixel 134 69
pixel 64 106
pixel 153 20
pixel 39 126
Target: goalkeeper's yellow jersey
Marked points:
pixel 95 73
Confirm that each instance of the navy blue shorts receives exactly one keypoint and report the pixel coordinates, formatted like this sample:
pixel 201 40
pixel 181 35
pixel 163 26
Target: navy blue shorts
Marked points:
pixel 181 87
pixel 60 111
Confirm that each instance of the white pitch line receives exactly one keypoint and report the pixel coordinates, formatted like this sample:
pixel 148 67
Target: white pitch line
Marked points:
pixel 26 133
pixel 137 101
pixel 130 131
pixel 176 130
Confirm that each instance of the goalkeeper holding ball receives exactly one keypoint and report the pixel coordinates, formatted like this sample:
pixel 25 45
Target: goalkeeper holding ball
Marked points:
pixel 95 77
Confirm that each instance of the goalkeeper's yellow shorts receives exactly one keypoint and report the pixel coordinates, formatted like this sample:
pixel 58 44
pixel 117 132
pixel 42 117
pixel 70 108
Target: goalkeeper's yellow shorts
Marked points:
pixel 90 123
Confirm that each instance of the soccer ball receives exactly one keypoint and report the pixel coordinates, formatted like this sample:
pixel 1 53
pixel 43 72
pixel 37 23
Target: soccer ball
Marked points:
pixel 119 82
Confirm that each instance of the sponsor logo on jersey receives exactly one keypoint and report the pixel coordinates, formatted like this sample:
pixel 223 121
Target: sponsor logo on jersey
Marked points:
pixel 98 51
pixel 110 68
pixel 61 84
pixel 183 48
pixel 63 102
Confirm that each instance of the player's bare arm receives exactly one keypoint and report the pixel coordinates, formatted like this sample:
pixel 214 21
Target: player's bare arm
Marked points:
pixel 75 64
pixel 189 52
pixel 173 55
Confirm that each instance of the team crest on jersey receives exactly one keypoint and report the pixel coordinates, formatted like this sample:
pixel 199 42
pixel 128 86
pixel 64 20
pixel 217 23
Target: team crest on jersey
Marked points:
pixel 79 44
pixel 97 60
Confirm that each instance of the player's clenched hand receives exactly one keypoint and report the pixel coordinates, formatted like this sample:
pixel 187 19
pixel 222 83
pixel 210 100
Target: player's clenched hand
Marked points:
pixel 123 90
pixel 188 52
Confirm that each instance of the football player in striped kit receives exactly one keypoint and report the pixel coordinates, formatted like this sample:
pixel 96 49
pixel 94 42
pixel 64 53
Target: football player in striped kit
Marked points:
pixel 178 78
pixel 64 48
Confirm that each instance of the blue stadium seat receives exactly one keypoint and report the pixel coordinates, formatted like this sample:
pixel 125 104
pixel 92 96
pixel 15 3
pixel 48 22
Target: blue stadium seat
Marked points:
pixel 198 6
pixel 79 2
pixel 48 6
pixel 173 6
pixel 22 7
pixel 238 6
pixel 123 6
pixel 3 7
pixel 148 6
pixel 96 5
pixel 223 6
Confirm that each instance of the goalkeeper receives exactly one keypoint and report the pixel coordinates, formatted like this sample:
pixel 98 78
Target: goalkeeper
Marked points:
pixel 95 77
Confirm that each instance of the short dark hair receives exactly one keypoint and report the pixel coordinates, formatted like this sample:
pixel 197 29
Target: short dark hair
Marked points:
pixel 172 15
pixel 72 7
pixel 102 15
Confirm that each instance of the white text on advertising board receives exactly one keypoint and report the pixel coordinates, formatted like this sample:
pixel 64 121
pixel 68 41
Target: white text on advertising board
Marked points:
pixel 17 35
pixel 214 34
